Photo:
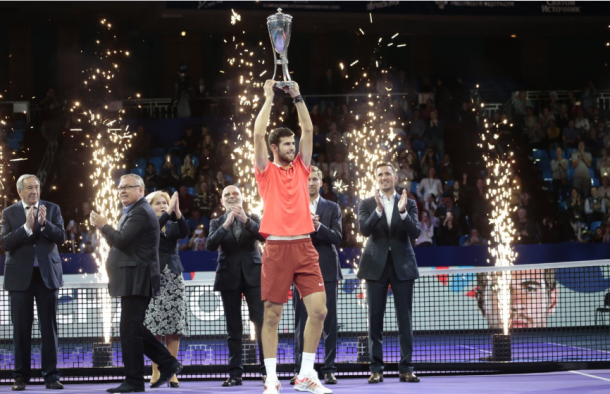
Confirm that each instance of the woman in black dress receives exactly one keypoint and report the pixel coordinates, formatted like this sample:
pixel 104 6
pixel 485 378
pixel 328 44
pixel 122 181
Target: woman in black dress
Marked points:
pixel 167 314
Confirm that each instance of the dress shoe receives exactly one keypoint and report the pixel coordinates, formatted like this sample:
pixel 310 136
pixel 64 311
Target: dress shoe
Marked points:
pixel 408 377
pixel 173 385
pixel 376 377
pixel 264 378
pixel 293 379
pixel 56 385
pixel 167 374
pixel 19 384
pixel 330 378
pixel 127 388
pixel 232 381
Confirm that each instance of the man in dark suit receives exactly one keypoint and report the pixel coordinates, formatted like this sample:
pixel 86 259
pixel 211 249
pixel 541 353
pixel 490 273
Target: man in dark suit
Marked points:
pixel 389 220
pixel 31 231
pixel 235 235
pixel 133 275
pixel 326 216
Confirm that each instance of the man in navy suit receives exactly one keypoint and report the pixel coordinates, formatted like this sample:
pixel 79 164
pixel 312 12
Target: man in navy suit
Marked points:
pixel 326 216
pixel 31 231
pixel 389 220
pixel 235 235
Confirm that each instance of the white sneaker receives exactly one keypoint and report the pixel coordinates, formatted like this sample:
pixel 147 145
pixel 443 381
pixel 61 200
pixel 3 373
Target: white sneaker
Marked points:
pixel 312 384
pixel 272 387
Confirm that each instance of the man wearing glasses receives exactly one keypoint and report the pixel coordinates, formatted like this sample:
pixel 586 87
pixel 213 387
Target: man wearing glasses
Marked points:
pixel 133 275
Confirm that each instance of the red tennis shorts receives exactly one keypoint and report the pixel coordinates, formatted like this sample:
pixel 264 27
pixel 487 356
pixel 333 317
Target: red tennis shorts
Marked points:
pixel 290 261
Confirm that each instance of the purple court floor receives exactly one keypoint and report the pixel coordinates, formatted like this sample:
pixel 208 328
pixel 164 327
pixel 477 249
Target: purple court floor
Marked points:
pixel 573 382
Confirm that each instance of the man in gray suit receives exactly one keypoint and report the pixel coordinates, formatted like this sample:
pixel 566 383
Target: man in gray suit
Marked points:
pixel 326 216
pixel 31 231
pixel 133 275
pixel 389 220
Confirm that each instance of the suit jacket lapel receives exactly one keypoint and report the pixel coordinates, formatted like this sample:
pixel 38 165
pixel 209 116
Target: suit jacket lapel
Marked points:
pixel 224 219
pixel 395 214
pixel 21 212
pixel 384 219
pixel 321 207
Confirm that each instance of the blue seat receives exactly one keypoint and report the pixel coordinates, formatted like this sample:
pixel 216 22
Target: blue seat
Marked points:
pixel 414 186
pixel 139 162
pixel 13 144
pixel 157 152
pixel 169 190
pixel 177 162
pixel 547 174
pixel 463 239
pixel 190 190
pixel 157 162
pixel 553 154
pixel 450 182
pixel 570 172
pixel 595 225
pixel 595 182
pixel 195 160
pixel 138 171
pixel 343 200
pixel 152 189
pixel 16 135
pixel 591 172
pixel 543 164
pixel 540 154
pixel 570 151
pixel 418 145
pixel 563 206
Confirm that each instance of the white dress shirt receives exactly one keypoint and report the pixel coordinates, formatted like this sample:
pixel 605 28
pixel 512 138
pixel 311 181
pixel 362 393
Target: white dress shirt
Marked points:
pixel 388 207
pixel 313 207
pixel 25 225
pixel 430 186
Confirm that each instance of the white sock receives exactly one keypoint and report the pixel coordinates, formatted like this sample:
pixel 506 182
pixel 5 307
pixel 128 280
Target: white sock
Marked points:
pixel 270 364
pixel 307 364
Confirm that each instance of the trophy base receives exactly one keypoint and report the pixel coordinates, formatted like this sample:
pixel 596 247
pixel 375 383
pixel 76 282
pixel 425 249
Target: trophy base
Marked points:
pixel 283 85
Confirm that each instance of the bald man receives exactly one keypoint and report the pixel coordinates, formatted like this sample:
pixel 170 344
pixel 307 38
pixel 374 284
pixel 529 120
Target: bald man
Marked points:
pixel 235 235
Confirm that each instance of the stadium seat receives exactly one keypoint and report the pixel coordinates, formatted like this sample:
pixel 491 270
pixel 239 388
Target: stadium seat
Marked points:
pixel 591 172
pixel 169 190
pixel 157 162
pixel 151 189
pixel 547 174
pixel 157 152
pixel 595 182
pixel 543 164
pixel 139 162
pixel 563 206
pixel 418 145
pixel 190 190
pixel 13 144
pixel 450 182
pixel 195 161
pixel 414 186
pixel 343 200
pixel 16 135
pixel 137 171
pixel 463 239
pixel 540 154
pixel 570 172
pixel 420 154
pixel 595 225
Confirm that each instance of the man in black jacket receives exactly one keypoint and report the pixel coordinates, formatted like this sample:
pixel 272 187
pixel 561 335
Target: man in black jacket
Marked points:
pixel 235 235
pixel 133 275
pixel 389 220
pixel 326 216
pixel 31 231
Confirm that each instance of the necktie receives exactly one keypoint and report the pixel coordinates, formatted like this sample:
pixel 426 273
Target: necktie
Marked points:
pixel 236 228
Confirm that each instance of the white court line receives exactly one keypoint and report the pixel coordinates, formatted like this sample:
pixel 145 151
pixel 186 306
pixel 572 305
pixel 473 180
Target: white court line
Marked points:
pixel 578 347
pixel 591 376
pixel 474 348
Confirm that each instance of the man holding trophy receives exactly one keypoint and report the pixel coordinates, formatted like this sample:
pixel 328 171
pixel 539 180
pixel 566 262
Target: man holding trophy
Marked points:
pixel 289 254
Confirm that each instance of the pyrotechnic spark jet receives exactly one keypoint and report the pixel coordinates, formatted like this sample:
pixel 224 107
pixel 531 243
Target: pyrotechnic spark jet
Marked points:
pixel 499 192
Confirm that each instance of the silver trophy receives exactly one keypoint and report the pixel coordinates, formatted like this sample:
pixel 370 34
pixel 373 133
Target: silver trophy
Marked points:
pixel 280 27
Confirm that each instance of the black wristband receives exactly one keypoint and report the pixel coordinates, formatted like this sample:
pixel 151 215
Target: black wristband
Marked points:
pixel 297 99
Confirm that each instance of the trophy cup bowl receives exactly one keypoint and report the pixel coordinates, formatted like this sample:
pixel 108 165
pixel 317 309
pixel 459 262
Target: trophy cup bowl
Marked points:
pixel 280 28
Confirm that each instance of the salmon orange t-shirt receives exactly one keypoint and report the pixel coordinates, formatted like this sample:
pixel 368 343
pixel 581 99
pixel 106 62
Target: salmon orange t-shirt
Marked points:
pixel 285 197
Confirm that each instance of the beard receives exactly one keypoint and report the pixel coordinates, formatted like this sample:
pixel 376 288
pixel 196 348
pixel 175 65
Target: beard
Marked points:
pixel 287 157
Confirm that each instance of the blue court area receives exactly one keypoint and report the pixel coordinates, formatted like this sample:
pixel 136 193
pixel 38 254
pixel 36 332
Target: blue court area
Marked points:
pixel 569 382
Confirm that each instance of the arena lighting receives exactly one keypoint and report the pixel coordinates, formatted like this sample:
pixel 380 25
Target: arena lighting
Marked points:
pixel 183 34
pixel 513 36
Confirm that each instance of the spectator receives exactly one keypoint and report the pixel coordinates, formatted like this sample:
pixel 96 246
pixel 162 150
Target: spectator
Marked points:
pixel 427 230
pixel 520 104
pixel 417 126
pixel 169 175
pixel 429 185
pixel 563 119
pixel 581 162
pixel 427 111
pixel 576 204
pixel 560 175
pixel 536 135
pixel 529 120
pixel 197 221
pixel 319 141
pixel 220 182
pixel 205 200
pixel 581 123
pixel 554 105
pixel 604 190
pixel 430 204
pixel 553 133
pixel 460 196
pixel 208 143
pixel 601 161
pixel 589 94
pixel 317 119
pixel 434 134
pixel 447 205
pixel 445 168
pixel 572 103
pixel 188 143
pixel 206 161
pixel 479 208
pixel 428 161
pixel 569 136
pixel 339 169
pixel 189 171
pixel 405 175
pixel 449 234
pixel 183 94
pixel 607 233
pixel 526 230
pixel 551 232
pixel 151 177
pixel 598 235
pixel 597 119
pixel 197 241
pixel 335 146
pixel 322 164
pixel 413 161
pixel 546 117
pixel 595 207
pixel 575 226
pixel 186 201
pixel 327 192
pixel 593 143
pixel 475 239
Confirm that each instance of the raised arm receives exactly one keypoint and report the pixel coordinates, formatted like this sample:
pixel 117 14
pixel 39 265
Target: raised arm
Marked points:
pixel 306 145
pixel 261 155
